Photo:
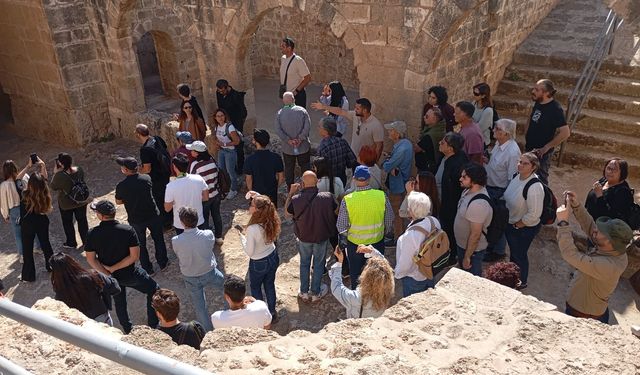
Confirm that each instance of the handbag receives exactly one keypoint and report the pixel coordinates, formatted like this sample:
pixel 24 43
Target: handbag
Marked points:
pixel 283 88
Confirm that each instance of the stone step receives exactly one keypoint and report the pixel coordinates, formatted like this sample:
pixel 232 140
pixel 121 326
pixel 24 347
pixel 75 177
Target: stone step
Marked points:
pixel 563 78
pixel 574 64
pixel 587 157
pixel 621 145
pixel 626 105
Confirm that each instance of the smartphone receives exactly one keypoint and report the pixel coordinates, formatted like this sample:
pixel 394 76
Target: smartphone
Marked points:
pixel 34 158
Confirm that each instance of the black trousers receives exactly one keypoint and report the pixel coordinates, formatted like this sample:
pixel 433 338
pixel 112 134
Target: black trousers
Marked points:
pixel 303 160
pixel 301 98
pixel 158 188
pixel 139 280
pixel 80 214
pixel 33 225
pixel 155 228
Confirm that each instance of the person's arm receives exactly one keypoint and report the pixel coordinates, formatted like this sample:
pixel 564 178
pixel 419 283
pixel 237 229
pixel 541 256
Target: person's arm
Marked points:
pixel 512 165
pixel 562 133
pixel 205 195
pixel 306 127
pixel 251 239
pixel 145 168
pixel 168 200
pixel 305 81
pixel 288 207
pixel 352 161
pixel 388 215
pixel 111 286
pixel 281 133
pixel 248 179
pixel 472 243
pixel 342 223
pixel 335 110
pixel 534 202
pixel 485 124
pixel 346 297
pixel 95 263
pixel 134 254
pixel 392 162
pixel 168 206
pixel 235 138
pixel 280 176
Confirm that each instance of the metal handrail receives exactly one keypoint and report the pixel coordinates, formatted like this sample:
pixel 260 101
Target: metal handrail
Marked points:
pixel 140 359
pixel 601 49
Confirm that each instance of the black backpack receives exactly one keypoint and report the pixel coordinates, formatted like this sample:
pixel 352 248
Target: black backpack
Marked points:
pixel 499 220
pixel 223 182
pixel 549 204
pixel 79 192
pixel 159 146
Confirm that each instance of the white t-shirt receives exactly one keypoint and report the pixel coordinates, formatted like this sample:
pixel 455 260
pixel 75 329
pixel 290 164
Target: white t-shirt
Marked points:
pixel 222 138
pixel 254 315
pixel 297 71
pixel 186 191
pixel 323 186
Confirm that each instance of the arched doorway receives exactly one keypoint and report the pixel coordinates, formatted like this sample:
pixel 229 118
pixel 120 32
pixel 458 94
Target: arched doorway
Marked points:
pixel 158 68
pixel 6 116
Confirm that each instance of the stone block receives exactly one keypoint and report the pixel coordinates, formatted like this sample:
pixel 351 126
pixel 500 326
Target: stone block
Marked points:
pixel 413 81
pixel 78 75
pixel 339 25
pixel 441 18
pixel 355 13
pixel 76 53
pixel 67 17
pixel 375 35
pixel 414 17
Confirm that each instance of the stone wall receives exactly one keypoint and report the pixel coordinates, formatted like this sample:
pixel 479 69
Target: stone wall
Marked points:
pixel 326 56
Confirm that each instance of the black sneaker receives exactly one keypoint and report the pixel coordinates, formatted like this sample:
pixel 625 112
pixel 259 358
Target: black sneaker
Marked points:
pixel 493 257
pixel 522 286
pixel 274 317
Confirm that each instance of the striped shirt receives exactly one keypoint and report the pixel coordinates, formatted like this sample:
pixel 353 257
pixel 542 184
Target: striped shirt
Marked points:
pixel 208 170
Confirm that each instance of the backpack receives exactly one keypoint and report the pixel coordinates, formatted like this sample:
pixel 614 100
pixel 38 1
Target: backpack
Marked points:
pixel 433 255
pixel 634 215
pixel 549 204
pixel 226 132
pixel 79 192
pixel 499 220
pixel 159 146
pixel 223 182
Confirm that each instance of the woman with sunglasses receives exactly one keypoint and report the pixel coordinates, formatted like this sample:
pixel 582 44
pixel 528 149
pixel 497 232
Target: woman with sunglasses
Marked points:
pixel 483 114
pixel 424 182
pixel 191 122
pixel 227 139
pixel 258 241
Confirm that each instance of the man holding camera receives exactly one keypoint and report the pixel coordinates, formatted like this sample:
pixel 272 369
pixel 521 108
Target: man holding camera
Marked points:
pixel 597 272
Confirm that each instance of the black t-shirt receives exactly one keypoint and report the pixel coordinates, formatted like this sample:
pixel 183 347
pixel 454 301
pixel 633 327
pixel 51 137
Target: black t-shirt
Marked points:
pixel 149 155
pixel 136 192
pixel 111 241
pixel 183 333
pixel 263 166
pixel 545 119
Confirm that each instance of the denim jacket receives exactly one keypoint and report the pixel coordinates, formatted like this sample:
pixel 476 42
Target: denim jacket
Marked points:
pixel 400 158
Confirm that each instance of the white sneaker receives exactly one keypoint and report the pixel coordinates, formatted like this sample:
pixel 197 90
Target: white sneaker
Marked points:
pixel 635 330
pixel 219 241
pixel 304 297
pixel 324 289
pixel 232 194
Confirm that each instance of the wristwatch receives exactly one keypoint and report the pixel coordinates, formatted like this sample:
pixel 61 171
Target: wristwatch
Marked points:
pixel 563 223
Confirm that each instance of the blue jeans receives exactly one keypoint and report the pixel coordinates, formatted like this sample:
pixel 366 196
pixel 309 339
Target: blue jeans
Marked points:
pixel 500 246
pixel 155 227
pixel 14 214
pixel 317 251
pixel 476 261
pixel 357 261
pixel 262 273
pixel 195 285
pixel 139 280
pixel 211 207
pixel 519 241
pixel 227 160
pixel 411 286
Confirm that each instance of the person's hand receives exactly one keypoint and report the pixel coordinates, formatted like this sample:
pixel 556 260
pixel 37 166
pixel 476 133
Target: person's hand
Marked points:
pixel 485 159
pixel 571 198
pixel 466 262
pixel 318 106
pixel 294 188
pixel 364 249
pixel 410 186
pixel 251 194
pixel 597 189
pixel 248 299
pixel 338 253
pixel 326 91
pixel 6 219
pixel 175 117
pixel 562 213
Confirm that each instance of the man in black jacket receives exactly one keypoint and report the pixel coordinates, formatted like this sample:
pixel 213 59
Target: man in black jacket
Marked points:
pixel 232 101
pixel 448 176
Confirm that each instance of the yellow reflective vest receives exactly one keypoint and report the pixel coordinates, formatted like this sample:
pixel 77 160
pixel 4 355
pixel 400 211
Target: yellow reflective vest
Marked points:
pixel 366 216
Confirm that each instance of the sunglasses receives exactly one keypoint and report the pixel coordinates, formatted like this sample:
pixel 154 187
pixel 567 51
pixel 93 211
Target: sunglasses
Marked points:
pixel 476 93
pixel 186 108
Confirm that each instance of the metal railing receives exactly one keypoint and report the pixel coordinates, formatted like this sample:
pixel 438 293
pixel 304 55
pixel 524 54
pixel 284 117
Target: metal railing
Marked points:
pixel 602 48
pixel 143 360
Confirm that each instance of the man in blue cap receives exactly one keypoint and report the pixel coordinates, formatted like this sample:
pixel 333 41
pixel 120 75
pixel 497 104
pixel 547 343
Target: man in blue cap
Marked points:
pixel 365 216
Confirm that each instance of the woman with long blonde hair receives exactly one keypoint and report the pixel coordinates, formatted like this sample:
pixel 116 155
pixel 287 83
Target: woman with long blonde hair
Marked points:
pixel 259 242
pixel 375 289
pixel 36 204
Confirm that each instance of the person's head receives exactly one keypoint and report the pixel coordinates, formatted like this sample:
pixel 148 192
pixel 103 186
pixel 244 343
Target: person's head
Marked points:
pixel 473 174
pixel 37 197
pixel 222 87
pixel 367 156
pixel 426 183
pixel 451 143
pixel 187 111
pixel 322 167
pixel 71 282
pixel 437 96
pixel 141 133
pixel 377 285
pixel 198 150
pixel 184 138
pixel 180 163
pixel 287 46
pixel 221 116
pixel 505 129
pixel 234 289
pixel 167 305
pixel 615 170
pixel 482 95
pixel 463 112
pixel 9 170
pixel 288 98
pixel 261 138
pixel 504 273
pixel 361 175
pixel 188 217
pixel 65 161
pixel 419 205
pixel 396 130
pixel 337 93
pixel 611 235
pixel 362 107
pixel 128 165
pixel 543 91
pixel 433 116
pixel 105 210
pixel 328 127
pixel 528 164
pixel 309 179
pixel 264 213
pixel 184 91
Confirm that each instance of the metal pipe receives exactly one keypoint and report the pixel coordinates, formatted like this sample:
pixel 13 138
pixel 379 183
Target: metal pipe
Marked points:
pixel 9 368
pixel 128 355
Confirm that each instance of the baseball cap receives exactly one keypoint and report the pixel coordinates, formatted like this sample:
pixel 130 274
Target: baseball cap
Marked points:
pixel 198 146
pixel 103 207
pixel 184 137
pixel 362 173
pixel 128 162
pixel 399 126
pixel 617 231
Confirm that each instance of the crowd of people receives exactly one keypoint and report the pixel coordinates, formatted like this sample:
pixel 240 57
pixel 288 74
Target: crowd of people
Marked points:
pixel 352 203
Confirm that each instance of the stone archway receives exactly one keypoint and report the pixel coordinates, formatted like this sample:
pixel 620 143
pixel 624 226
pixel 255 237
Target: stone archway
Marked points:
pixel 157 62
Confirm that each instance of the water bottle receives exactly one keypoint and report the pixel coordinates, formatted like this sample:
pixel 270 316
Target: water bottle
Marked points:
pixel 295 150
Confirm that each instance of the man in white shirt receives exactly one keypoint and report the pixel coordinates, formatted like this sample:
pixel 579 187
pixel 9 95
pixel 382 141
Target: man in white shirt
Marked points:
pixel 294 73
pixel 501 168
pixel 187 190
pixel 244 311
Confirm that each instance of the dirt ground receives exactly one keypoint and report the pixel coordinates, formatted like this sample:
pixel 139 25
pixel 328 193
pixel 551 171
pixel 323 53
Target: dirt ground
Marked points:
pixel 549 275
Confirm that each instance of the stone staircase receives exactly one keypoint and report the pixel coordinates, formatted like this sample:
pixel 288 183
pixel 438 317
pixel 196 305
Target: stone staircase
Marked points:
pixel 609 124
